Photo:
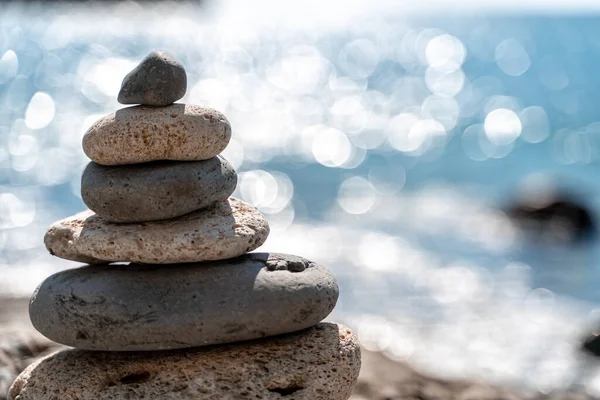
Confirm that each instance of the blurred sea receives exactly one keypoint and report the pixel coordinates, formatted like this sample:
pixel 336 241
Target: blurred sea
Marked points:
pixel 380 144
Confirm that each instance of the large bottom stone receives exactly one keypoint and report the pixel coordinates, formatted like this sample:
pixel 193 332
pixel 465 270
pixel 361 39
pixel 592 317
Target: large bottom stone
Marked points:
pixel 135 307
pixel 226 229
pixel 320 363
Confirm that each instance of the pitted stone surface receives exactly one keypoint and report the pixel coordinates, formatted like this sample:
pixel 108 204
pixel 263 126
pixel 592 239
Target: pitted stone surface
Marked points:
pixel 157 190
pixel 287 262
pixel 319 363
pixel 158 80
pixel 179 132
pixel 145 307
pixel 224 230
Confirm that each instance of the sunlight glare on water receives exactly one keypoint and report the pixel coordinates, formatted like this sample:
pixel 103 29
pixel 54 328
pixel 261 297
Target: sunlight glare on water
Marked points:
pixel 331 147
pixel 445 53
pixel 383 145
pixel 9 65
pixel 356 195
pixel 502 126
pixel 512 58
pixel 40 111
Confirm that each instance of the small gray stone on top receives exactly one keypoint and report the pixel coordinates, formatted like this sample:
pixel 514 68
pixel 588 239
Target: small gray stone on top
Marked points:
pixel 145 307
pixel 156 190
pixel 158 80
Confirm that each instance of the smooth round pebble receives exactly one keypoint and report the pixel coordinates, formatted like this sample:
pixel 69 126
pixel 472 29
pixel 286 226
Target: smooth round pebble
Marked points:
pixel 157 190
pixel 319 363
pixel 179 132
pixel 224 230
pixel 144 307
pixel 158 80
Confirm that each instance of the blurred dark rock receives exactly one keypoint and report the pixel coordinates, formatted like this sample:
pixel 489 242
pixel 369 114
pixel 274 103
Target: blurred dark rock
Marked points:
pixel 553 217
pixel 591 345
pixel 159 80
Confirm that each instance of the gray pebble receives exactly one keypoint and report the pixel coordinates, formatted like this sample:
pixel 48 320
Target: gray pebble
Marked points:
pixel 157 190
pixel 143 307
pixel 159 80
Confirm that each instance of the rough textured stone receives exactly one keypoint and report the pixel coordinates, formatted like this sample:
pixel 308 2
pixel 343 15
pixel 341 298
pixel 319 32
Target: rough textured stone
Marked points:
pixel 17 351
pixel 156 190
pixel 20 343
pixel 158 80
pixel 321 362
pixel 179 132
pixel 224 230
pixel 145 307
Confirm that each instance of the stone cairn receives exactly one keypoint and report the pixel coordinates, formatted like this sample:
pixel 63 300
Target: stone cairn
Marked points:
pixel 192 316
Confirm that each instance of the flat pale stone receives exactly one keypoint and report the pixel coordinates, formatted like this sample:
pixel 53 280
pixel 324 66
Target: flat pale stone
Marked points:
pixel 224 230
pixel 149 307
pixel 320 363
pixel 158 80
pixel 179 132
pixel 156 190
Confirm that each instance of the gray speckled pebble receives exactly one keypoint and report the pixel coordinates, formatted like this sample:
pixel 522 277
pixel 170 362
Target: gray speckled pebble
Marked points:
pixel 156 190
pixel 158 80
pixel 135 307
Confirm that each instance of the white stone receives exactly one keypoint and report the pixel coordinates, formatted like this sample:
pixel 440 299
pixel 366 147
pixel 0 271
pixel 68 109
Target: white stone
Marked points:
pixel 225 230
pixel 179 132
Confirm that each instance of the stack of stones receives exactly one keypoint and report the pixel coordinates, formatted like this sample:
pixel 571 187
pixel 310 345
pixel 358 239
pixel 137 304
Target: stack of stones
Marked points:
pixel 175 308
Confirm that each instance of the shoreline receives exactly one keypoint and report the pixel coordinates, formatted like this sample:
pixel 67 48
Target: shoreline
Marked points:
pixel 380 378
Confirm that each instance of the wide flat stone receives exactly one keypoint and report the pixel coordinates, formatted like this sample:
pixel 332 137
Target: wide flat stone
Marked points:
pixel 149 307
pixel 319 363
pixel 179 132
pixel 156 190
pixel 158 80
pixel 224 230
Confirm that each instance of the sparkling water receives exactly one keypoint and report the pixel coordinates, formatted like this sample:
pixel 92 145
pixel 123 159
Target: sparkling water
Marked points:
pixel 380 143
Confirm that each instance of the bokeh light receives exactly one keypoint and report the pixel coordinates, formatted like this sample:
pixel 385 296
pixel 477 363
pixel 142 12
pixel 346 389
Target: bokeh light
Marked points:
pixel 512 58
pixel 502 126
pixel 356 195
pixel 379 143
pixel 9 66
pixel 40 111
pixel 445 53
